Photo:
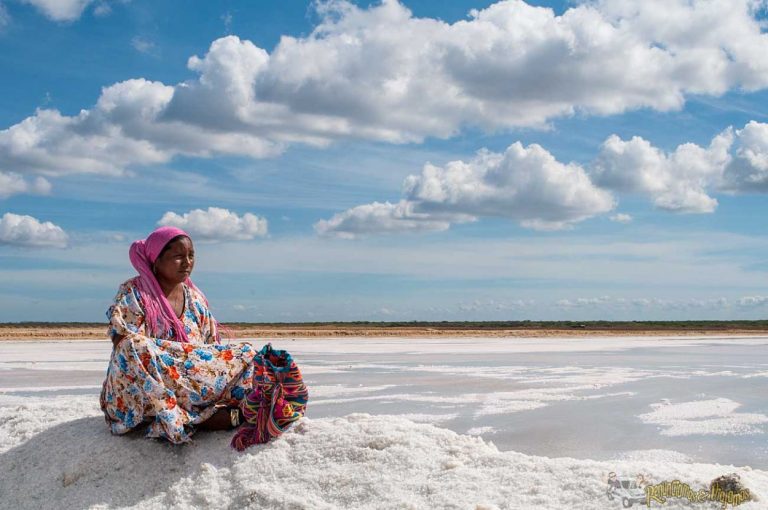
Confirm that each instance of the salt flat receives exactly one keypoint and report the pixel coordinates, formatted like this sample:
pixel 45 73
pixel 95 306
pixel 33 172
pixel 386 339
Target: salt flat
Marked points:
pixel 410 423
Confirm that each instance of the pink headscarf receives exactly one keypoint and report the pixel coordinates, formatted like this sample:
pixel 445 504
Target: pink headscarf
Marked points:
pixel 158 312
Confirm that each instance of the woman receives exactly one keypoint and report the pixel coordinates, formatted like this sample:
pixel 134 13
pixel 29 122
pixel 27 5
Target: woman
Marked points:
pixel 167 367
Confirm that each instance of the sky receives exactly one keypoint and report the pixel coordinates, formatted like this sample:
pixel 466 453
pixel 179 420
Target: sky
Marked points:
pixel 390 161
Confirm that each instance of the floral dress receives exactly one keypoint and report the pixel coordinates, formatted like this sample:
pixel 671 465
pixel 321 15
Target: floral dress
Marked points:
pixel 169 385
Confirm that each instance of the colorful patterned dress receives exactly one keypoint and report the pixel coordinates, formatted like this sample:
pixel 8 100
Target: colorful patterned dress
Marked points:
pixel 170 385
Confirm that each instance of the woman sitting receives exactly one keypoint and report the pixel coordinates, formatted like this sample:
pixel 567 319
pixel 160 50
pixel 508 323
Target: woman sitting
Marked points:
pixel 168 368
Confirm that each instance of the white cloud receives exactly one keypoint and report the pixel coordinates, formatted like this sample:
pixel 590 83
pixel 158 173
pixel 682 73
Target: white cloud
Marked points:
pixel 677 182
pixel 528 185
pixel 378 73
pixel 60 10
pixel 748 170
pixel 216 224
pixel 714 43
pixel 12 184
pixel 511 64
pixel 52 144
pixel 18 230
pixel 123 130
pixel 383 218
pixel 683 180
pixel 621 218
pixel 524 184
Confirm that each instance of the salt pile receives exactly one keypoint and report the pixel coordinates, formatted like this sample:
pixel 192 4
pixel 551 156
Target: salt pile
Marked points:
pixel 357 461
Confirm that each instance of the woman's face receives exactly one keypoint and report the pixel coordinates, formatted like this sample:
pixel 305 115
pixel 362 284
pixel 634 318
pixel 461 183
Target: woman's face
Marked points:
pixel 175 263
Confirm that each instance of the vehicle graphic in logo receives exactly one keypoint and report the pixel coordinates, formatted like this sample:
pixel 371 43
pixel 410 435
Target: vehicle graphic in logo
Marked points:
pixel 628 490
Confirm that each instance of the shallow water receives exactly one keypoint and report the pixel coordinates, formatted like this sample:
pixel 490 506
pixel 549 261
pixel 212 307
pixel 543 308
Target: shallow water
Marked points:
pixel 583 404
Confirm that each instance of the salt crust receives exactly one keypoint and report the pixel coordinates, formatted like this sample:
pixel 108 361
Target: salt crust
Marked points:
pixel 360 461
pixel 716 417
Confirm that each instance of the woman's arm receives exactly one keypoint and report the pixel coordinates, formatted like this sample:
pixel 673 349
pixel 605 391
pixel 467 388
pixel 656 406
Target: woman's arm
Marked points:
pixel 126 315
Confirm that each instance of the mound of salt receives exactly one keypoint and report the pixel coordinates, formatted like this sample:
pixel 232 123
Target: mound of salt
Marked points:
pixel 357 461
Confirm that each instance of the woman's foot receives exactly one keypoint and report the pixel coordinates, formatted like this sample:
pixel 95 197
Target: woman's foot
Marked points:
pixel 220 420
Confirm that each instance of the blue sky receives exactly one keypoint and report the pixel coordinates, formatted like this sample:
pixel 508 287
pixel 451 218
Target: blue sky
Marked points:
pixel 389 161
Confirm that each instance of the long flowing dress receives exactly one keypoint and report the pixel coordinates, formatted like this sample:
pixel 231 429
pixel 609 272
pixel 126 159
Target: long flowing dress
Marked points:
pixel 169 385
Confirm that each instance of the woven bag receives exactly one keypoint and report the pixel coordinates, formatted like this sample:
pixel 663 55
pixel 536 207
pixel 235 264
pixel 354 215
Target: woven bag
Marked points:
pixel 278 399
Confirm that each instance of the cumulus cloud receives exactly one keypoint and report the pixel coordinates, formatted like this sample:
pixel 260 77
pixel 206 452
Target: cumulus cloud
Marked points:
pixel 677 182
pixel 19 230
pixel 684 180
pixel 12 184
pixel 52 144
pixel 379 73
pixel 216 224
pixel 524 184
pixel 60 10
pixel 123 130
pixel 528 185
pixel 748 169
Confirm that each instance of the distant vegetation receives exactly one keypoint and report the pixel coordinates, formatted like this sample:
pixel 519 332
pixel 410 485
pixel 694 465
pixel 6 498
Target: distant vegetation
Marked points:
pixel 758 325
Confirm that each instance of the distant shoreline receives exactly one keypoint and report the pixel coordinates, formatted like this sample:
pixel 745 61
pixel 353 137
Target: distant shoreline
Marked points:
pixel 94 331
